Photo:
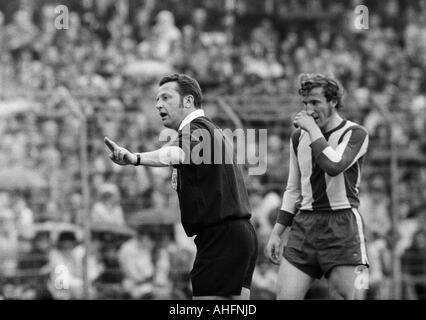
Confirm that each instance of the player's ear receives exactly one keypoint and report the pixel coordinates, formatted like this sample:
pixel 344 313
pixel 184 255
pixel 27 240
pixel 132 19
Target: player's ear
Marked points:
pixel 333 103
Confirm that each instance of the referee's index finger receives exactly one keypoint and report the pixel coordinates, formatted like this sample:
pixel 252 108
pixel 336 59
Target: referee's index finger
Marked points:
pixel 110 144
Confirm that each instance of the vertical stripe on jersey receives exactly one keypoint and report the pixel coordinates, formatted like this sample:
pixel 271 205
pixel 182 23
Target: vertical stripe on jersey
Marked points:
pixel 336 191
pixel 321 191
pixel 305 162
pixel 353 173
pixel 319 187
pixel 352 182
pixel 295 139
pixel 292 195
pixel 364 258
pixel 320 181
pixel 351 177
pixel 362 150
pixel 358 181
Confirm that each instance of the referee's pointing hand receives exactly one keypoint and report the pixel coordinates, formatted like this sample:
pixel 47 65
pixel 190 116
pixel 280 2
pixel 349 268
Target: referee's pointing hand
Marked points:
pixel 118 154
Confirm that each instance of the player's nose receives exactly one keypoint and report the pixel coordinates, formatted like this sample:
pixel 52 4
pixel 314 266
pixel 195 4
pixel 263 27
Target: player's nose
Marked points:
pixel 310 112
pixel 309 108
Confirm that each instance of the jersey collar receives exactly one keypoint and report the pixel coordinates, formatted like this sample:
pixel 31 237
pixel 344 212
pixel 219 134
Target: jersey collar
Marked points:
pixel 193 115
pixel 341 125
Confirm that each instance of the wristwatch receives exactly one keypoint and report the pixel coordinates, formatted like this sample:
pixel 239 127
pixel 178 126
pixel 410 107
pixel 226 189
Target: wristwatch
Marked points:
pixel 138 161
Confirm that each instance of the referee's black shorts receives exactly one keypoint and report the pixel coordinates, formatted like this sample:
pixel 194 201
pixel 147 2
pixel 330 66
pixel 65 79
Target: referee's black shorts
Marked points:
pixel 225 260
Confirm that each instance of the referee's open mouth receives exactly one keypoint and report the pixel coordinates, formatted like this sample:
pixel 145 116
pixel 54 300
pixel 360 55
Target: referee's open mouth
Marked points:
pixel 163 115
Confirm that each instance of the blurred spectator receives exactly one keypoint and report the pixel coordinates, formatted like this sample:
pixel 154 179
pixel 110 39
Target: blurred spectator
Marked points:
pixel 66 263
pixel 21 32
pixel 107 209
pixel 379 255
pixel 33 267
pixel 8 238
pixel 181 259
pixel 264 281
pixel 24 218
pixel 264 39
pixel 165 37
pixel 262 208
pixel 138 265
pixel 374 206
pixel 112 273
pixel 109 284
pixel 414 267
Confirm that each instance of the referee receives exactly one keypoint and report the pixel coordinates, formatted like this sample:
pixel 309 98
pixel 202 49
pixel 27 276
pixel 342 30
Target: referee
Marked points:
pixel 212 195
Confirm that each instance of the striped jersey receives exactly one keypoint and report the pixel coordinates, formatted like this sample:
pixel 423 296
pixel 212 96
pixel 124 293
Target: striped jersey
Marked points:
pixel 324 175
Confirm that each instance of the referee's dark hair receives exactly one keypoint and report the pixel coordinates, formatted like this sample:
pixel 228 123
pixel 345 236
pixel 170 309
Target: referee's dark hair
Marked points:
pixel 186 86
pixel 333 91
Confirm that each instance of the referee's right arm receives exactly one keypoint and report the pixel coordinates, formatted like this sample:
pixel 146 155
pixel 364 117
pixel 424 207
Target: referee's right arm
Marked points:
pixel 163 157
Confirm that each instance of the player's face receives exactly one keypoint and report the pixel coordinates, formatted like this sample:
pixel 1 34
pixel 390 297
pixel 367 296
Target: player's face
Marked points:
pixel 169 105
pixel 317 106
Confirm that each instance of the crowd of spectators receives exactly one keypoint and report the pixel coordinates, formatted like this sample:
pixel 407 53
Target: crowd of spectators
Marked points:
pixel 111 54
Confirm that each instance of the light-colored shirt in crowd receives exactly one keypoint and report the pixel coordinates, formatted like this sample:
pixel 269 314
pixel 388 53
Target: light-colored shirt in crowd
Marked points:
pixel 107 215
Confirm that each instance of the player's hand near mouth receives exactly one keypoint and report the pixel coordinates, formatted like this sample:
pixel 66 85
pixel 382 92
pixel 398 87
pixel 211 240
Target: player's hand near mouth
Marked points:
pixel 307 122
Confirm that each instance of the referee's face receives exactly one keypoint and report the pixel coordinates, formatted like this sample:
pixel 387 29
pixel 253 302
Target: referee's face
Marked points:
pixel 169 105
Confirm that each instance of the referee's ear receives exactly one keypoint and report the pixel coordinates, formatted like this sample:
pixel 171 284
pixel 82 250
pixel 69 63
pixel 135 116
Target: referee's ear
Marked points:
pixel 188 101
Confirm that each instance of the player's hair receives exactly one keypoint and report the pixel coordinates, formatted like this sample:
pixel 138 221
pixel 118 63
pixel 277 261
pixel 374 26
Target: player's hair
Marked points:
pixel 333 91
pixel 186 86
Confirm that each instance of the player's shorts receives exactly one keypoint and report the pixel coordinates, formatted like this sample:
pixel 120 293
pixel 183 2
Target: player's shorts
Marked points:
pixel 225 260
pixel 320 241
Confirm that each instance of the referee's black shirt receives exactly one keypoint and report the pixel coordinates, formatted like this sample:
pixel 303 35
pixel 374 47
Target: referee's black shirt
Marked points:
pixel 208 193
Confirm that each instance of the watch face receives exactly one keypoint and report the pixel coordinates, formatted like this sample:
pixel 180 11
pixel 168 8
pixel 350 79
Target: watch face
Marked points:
pixel 174 179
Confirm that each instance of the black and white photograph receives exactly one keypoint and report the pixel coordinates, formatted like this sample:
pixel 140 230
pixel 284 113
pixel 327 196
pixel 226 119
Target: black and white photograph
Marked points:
pixel 225 150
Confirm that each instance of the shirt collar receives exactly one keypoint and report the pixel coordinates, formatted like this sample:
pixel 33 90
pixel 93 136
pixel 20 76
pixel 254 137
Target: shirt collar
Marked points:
pixel 193 115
